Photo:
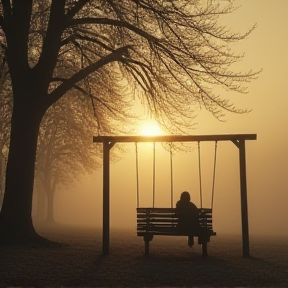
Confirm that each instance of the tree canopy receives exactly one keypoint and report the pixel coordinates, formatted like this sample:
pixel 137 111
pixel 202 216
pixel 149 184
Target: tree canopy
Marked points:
pixel 169 54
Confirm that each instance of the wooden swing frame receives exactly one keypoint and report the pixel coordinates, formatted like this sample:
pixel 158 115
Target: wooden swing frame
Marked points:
pixel 239 141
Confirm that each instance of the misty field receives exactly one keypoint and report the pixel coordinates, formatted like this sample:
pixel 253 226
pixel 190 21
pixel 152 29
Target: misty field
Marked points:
pixel 171 261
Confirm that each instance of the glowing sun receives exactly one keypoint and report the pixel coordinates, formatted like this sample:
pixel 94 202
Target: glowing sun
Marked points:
pixel 150 128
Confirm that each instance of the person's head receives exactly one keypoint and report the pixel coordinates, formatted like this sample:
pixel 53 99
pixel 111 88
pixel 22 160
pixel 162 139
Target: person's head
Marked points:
pixel 185 196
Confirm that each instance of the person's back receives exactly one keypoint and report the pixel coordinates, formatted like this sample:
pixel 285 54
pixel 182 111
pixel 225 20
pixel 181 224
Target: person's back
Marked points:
pixel 188 217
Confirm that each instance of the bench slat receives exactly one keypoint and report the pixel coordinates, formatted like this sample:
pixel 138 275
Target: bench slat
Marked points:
pixel 160 226
pixel 163 210
pixel 172 215
pixel 151 215
pixel 172 220
pixel 174 233
pixel 171 224
pixel 167 210
pixel 152 220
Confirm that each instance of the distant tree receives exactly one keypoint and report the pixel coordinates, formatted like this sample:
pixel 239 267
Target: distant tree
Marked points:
pixel 65 150
pixel 173 52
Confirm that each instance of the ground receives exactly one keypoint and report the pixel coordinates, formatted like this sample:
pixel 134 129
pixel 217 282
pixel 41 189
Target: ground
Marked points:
pixel 171 262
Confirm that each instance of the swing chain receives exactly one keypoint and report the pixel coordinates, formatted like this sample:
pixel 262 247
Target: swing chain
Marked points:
pixel 199 171
pixel 171 174
pixel 213 177
pixel 154 164
pixel 214 174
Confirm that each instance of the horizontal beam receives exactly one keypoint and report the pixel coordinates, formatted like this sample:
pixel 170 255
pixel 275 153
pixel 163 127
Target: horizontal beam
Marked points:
pixel 174 138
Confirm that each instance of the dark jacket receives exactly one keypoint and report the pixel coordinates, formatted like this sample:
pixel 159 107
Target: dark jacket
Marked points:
pixel 188 217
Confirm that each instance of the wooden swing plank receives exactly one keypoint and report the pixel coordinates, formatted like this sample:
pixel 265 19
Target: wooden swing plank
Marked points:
pixel 157 210
pixel 154 219
pixel 151 221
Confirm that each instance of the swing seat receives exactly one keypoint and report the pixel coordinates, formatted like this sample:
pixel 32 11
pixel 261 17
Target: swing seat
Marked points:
pixel 163 222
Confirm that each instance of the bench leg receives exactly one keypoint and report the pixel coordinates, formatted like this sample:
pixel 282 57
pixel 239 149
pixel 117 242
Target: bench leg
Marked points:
pixel 146 247
pixel 204 249
pixel 147 238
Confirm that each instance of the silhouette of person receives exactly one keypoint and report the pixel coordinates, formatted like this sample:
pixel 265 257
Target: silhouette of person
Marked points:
pixel 188 217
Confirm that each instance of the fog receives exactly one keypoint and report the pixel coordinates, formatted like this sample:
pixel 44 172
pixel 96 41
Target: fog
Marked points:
pixel 266 158
pixel 267 202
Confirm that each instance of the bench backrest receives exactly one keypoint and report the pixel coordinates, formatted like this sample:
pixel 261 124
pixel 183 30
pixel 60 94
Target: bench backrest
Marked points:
pixel 161 221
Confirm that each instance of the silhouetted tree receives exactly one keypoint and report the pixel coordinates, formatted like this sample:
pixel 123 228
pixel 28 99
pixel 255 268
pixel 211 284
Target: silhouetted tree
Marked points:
pixel 173 52
pixel 65 150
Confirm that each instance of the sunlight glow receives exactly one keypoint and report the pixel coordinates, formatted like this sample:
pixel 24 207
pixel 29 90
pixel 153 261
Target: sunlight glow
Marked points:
pixel 150 128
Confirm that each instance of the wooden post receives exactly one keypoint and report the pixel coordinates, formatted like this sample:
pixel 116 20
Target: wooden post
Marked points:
pixel 204 248
pixel 146 246
pixel 106 198
pixel 244 205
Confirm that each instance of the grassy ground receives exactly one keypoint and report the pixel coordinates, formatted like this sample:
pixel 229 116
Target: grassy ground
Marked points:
pixel 171 262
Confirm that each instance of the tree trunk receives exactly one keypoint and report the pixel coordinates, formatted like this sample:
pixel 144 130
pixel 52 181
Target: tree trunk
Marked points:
pixel 15 218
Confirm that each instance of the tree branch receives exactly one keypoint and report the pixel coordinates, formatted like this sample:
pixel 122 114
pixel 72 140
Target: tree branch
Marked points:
pixel 112 22
pixel 75 9
pixel 83 73
pixel 52 41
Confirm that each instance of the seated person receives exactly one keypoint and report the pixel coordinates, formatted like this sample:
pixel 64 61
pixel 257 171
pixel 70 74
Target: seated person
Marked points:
pixel 188 217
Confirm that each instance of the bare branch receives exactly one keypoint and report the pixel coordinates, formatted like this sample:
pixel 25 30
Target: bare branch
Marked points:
pixel 82 74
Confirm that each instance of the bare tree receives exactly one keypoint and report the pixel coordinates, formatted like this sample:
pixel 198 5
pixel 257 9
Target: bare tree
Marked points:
pixel 172 53
pixel 65 150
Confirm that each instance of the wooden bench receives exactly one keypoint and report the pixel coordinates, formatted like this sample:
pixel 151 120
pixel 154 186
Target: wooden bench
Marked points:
pixel 163 221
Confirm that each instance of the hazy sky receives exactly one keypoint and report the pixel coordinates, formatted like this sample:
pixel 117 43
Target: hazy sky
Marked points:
pixel 267 157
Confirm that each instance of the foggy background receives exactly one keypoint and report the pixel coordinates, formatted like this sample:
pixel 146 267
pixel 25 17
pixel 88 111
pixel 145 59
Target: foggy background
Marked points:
pixel 266 157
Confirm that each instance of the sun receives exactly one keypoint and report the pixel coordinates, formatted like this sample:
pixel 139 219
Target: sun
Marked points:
pixel 150 128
